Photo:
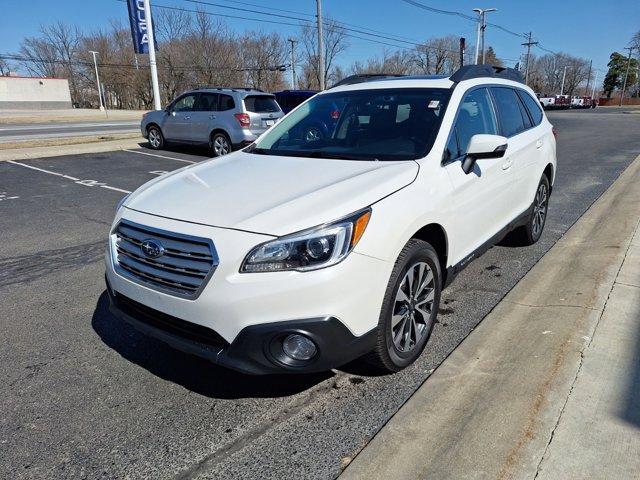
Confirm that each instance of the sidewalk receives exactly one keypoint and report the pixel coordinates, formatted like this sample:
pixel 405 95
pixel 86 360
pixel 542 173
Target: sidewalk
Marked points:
pixel 66 115
pixel 548 385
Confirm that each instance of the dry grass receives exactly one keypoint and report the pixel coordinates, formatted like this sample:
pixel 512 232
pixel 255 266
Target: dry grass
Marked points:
pixel 55 142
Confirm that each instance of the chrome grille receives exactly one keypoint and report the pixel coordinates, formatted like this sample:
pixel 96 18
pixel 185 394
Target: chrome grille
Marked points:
pixel 182 268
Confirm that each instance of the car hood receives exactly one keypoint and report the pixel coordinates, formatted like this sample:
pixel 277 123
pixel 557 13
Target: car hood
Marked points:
pixel 267 194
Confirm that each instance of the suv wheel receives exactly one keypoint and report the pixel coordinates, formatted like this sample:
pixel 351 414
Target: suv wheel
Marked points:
pixel 409 308
pixel 531 232
pixel 156 140
pixel 219 144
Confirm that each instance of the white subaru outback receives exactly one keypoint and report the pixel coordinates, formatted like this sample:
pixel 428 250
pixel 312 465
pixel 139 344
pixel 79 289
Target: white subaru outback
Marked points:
pixel 301 253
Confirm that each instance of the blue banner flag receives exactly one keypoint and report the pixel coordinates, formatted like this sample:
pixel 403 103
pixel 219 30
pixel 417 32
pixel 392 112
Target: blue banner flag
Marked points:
pixel 139 30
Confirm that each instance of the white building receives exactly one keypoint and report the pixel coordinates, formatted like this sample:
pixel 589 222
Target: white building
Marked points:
pixel 25 93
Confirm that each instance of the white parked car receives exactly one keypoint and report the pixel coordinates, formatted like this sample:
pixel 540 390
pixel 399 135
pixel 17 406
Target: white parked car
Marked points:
pixel 300 254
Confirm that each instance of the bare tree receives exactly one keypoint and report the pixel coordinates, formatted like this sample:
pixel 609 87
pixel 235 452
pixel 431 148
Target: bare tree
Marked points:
pixel 262 56
pixel 335 43
pixel 437 56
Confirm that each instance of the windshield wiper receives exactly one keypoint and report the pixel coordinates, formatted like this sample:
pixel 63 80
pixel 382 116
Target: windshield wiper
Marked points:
pixel 253 149
pixel 337 156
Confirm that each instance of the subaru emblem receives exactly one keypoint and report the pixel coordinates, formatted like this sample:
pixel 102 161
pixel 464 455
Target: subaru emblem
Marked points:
pixel 152 248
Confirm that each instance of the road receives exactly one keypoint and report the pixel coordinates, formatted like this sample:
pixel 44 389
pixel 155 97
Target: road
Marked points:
pixel 84 395
pixel 31 131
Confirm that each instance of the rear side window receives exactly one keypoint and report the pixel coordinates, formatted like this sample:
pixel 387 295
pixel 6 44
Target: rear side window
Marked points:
pixel 474 116
pixel 206 102
pixel 261 104
pixel 510 111
pixel 226 103
pixel 533 106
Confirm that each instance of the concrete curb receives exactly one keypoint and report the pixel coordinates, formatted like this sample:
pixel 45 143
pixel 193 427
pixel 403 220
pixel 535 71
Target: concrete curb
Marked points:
pixel 490 409
pixel 74 149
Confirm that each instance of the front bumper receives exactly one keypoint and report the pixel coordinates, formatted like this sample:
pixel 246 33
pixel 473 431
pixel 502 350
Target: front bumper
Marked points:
pixel 257 349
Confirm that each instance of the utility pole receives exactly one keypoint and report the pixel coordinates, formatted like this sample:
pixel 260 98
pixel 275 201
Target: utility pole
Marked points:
pixel 293 42
pixel 626 75
pixel 320 45
pixel 586 90
pixel 564 74
pixel 528 44
pixel 95 64
pixel 482 25
pixel 595 82
pixel 152 56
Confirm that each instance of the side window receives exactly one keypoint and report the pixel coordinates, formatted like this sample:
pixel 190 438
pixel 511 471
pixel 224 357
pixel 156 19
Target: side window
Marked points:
pixel 185 104
pixel 509 111
pixel 452 151
pixel 226 103
pixel 532 105
pixel 206 102
pixel 474 116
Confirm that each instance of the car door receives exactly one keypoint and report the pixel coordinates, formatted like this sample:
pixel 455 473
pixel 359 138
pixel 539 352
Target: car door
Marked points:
pixel 479 199
pixel 517 126
pixel 224 119
pixel 176 124
pixel 203 115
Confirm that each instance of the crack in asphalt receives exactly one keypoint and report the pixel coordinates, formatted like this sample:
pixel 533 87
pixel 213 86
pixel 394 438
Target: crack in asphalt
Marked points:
pixel 24 268
pixel 210 461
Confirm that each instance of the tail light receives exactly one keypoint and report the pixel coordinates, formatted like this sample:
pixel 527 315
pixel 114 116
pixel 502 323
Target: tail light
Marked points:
pixel 243 119
pixel 555 132
pixel 335 114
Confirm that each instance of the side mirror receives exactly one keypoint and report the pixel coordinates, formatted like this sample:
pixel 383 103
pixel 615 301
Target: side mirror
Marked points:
pixel 483 146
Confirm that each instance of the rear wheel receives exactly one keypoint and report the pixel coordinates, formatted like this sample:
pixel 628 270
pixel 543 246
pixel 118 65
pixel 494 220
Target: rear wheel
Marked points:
pixel 409 309
pixel 531 232
pixel 219 144
pixel 156 140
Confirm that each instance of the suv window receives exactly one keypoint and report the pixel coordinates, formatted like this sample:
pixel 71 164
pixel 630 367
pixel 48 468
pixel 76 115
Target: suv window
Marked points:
pixel 532 105
pixel 206 102
pixel 474 116
pixel 261 104
pixel 510 111
pixel 226 103
pixel 185 104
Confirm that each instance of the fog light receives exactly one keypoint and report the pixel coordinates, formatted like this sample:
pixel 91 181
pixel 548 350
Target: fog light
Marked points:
pixel 299 347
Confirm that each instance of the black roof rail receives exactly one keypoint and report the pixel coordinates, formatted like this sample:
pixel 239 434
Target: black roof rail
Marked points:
pixel 365 77
pixel 479 71
pixel 235 89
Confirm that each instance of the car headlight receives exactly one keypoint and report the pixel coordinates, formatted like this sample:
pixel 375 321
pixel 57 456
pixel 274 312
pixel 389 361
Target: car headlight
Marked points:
pixel 311 249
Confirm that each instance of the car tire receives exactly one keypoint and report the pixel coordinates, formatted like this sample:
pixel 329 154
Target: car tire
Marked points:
pixel 409 308
pixel 530 233
pixel 155 137
pixel 220 144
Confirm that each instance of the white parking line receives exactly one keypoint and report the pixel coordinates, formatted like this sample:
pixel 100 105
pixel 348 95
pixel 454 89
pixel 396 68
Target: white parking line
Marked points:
pixel 86 183
pixel 159 156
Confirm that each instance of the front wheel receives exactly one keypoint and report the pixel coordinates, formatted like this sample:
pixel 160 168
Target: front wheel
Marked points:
pixel 409 308
pixel 156 140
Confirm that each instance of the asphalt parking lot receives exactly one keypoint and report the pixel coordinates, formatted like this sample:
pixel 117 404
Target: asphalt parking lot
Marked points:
pixel 86 396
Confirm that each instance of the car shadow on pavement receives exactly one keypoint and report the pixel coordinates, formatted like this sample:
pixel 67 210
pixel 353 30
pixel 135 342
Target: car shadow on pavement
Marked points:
pixel 193 373
pixel 198 150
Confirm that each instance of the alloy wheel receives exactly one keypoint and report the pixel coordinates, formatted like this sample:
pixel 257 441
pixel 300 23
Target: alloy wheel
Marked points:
pixel 220 145
pixel 154 138
pixel 539 210
pixel 412 310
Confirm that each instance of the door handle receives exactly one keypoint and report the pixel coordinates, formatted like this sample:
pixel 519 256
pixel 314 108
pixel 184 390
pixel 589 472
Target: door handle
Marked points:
pixel 212 117
pixel 539 144
pixel 186 117
pixel 507 163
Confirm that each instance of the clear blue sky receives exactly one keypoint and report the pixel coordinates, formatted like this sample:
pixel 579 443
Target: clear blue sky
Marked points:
pixel 587 28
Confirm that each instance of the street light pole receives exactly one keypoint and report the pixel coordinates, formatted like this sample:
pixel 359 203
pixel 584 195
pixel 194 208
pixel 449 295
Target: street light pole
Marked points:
pixel 152 56
pixel 320 45
pixel 564 74
pixel 595 80
pixel 482 25
pixel 626 75
pixel 95 64
pixel 293 42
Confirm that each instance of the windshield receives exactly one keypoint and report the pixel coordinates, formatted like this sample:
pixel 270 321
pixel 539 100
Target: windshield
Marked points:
pixel 384 124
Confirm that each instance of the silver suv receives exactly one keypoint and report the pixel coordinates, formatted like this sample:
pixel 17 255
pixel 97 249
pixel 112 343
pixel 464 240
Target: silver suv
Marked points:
pixel 223 118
